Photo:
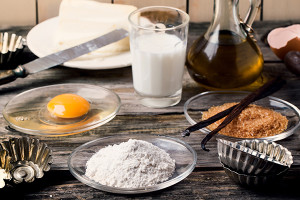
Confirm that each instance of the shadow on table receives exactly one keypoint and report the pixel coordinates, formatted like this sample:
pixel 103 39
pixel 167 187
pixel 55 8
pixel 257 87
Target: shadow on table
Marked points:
pixel 285 187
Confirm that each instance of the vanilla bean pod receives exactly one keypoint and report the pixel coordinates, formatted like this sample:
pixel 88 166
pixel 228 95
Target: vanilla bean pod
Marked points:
pixel 267 89
pixel 224 113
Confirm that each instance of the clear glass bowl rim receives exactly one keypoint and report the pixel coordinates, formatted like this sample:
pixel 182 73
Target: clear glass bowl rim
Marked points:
pixel 277 137
pixel 67 131
pixel 159 186
pixel 150 8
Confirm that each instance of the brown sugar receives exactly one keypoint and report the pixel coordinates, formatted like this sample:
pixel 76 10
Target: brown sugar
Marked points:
pixel 253 122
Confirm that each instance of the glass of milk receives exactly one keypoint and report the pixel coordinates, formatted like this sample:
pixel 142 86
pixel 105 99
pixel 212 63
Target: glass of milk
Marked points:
pixel 158 40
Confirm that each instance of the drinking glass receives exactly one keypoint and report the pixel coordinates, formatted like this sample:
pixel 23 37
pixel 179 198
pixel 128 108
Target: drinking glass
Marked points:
pixel 158 40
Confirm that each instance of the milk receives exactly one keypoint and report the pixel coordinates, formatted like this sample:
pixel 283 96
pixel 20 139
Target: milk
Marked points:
pixel 158 64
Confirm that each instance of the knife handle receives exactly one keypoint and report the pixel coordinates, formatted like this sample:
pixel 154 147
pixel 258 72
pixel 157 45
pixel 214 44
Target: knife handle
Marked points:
pixel 7 76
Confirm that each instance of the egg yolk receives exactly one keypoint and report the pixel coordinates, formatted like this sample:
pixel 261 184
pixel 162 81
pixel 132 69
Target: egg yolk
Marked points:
pixel 68 106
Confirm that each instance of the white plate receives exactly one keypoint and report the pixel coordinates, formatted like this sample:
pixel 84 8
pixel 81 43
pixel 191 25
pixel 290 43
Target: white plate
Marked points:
pixel 40 42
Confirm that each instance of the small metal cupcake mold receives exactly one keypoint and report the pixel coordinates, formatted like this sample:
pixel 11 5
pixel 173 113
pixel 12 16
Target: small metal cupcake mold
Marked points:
pixel 251 180
pixel 30 158
pixel 11 46
pixel 269 150
pixel 5 167
pixel 254 157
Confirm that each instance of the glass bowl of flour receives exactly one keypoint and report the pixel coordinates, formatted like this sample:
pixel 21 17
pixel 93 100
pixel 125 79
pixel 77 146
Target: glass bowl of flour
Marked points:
pixel 132 164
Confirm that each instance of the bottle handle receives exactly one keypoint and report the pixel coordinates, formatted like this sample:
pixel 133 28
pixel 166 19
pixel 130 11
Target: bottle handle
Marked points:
pixel 251 14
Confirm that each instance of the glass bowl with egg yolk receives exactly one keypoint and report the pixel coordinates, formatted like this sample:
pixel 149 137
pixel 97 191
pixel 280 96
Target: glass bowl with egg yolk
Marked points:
pixel 63 109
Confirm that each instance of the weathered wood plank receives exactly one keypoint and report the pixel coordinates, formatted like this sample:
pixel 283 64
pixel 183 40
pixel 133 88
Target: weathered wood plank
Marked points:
pixel 201 184
pixel 197 29
pixel 207 181
pixel 162 124
pixel 120 81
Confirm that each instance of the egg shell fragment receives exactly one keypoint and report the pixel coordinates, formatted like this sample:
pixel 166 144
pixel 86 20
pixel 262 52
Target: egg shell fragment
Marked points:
pixel 283 40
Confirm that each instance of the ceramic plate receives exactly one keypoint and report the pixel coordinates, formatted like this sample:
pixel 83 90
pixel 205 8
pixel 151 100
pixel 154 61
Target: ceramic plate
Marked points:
pixel 40 42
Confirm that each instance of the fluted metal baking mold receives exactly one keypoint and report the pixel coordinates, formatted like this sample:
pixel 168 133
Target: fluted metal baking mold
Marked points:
pixel 11 47
pixel 252 180
pixel 5 165
pixel 254 157
pixel 30 158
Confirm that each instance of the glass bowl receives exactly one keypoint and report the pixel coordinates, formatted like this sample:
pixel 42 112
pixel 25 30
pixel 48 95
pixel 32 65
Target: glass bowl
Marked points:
pixel 27 112
pixel 197 104
pixel 185 160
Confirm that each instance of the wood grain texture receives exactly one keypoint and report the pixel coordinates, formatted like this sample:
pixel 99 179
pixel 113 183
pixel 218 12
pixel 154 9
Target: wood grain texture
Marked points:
pixel 201 184
pixel 50 8
pixel 279 10
pixel 17 13
pixel 181 4
pixel 202 10
pixel 207 181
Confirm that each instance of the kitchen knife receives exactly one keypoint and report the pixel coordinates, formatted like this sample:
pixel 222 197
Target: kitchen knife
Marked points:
pixel 60 57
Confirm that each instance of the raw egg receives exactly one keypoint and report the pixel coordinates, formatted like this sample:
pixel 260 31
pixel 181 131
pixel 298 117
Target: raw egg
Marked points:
pixel 68 106
pixel 283 40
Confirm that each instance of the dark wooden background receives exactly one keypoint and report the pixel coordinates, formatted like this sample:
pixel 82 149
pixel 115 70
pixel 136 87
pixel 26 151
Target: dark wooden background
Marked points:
pixel 207 181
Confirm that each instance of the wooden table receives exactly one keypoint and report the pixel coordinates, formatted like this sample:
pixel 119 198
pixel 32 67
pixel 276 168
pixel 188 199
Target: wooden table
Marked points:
pixel 207 181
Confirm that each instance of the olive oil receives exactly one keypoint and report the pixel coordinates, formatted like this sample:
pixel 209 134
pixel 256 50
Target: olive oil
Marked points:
pixel 229 63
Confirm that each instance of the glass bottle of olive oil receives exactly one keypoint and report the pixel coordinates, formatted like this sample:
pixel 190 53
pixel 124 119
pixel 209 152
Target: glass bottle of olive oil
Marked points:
pixel 226 56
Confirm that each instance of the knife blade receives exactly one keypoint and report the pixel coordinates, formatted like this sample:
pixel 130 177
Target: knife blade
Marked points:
pixel 62 56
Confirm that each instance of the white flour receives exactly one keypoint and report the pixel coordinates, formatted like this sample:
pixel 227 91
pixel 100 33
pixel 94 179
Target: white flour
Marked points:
pixel 131 164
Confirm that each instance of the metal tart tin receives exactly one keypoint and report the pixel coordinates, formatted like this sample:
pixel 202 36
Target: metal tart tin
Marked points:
pixel 6 166
pixel 251 180
pixel 30 158
pixel 254 157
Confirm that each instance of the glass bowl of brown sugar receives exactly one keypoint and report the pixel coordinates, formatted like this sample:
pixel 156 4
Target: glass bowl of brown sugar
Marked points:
pixel 270 118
